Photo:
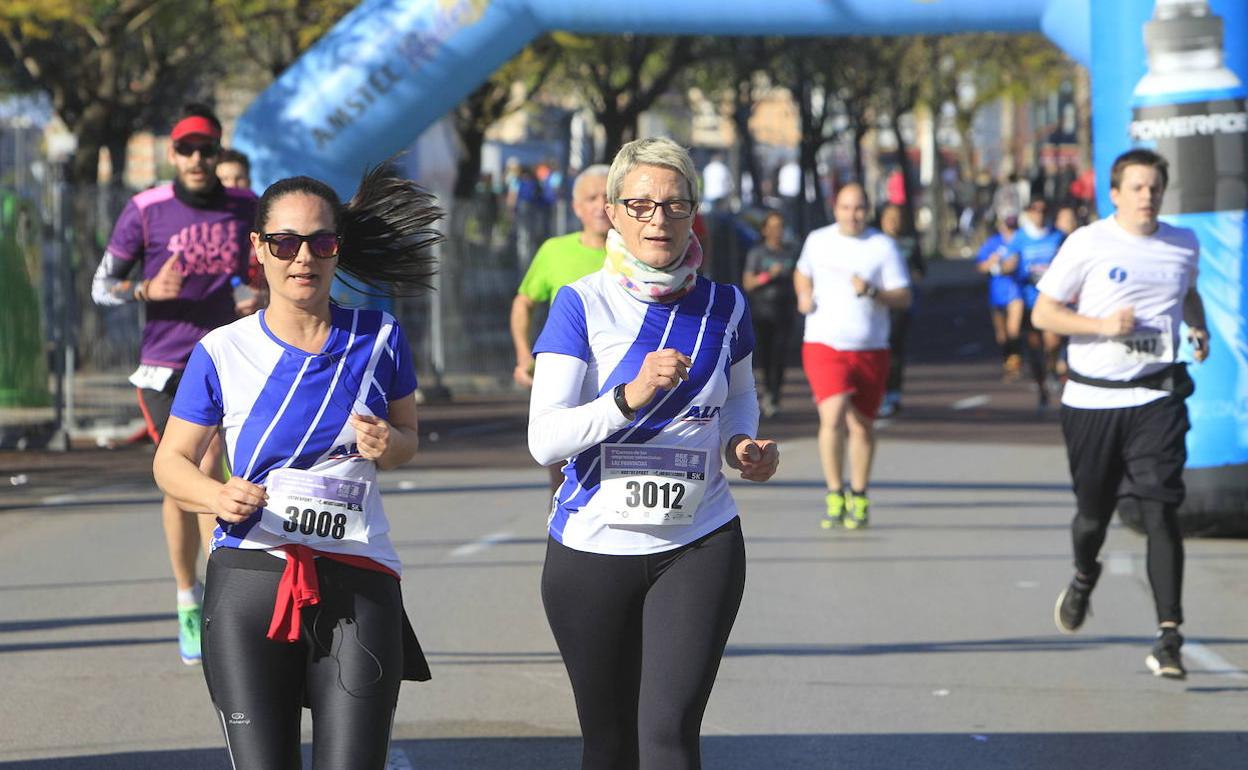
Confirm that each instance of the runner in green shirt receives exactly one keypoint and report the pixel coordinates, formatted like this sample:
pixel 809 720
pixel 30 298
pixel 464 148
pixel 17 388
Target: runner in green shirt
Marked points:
pixel 560 261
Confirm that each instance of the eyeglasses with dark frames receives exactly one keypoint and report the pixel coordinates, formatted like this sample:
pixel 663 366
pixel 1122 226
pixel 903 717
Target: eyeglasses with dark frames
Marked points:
pixel 205 149
pixel 642 209
pixel 287 245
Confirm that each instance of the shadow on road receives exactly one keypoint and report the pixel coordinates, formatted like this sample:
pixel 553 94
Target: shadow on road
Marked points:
pixel 882 751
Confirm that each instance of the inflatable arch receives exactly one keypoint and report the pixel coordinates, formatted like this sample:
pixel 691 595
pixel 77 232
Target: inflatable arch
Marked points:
pixel 391 68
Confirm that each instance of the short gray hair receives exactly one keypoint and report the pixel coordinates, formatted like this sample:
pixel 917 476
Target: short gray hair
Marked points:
pixel 598 169
pixel 654 151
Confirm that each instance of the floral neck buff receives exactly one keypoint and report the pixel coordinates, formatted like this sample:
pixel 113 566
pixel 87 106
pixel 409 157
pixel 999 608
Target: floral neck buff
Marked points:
pixel 652 284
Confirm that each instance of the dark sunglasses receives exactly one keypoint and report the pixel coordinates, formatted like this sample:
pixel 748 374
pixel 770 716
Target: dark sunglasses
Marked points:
pixel 205 150
pixel 286 245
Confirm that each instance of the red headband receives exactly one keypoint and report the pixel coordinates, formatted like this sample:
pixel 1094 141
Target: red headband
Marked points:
pixel 195 125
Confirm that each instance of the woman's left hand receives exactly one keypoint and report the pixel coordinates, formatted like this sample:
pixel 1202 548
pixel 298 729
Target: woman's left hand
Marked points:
pixel 372 435
pixel 757 459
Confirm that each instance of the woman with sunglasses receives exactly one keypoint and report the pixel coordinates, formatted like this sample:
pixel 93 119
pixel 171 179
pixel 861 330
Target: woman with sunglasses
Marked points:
pixel 302 603
pixel 644 383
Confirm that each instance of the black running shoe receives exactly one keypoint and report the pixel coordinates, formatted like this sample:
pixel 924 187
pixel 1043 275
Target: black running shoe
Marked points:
pixel 1073 606
pixel 1165 660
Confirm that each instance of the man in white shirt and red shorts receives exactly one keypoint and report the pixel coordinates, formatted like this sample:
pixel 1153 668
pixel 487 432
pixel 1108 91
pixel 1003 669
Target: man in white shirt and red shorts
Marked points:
pixel 848 278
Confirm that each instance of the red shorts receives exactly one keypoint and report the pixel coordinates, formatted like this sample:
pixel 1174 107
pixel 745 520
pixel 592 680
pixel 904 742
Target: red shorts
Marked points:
pixel 861 373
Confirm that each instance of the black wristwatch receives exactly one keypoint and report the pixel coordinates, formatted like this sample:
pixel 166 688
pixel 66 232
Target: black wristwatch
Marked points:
pixel 622 402
pixel 871 291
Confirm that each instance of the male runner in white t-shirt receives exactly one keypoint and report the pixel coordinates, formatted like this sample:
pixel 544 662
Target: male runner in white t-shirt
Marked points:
pixel 847 279
pixel 1131 279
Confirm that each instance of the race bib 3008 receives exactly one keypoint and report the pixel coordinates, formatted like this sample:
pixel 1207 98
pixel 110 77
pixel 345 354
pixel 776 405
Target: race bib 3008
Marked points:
pixel 313 509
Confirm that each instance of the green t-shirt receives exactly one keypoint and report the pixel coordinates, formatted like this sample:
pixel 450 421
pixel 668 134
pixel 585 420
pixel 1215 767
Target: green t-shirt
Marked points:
pixel 559 262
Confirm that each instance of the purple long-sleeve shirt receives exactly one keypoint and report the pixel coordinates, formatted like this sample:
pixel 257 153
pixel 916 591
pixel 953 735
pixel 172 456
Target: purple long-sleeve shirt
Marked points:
pixel 210 244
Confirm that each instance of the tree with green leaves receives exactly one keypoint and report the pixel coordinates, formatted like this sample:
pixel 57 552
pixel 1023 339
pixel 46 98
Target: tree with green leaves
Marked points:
pixel 106 64
pixel 975 70
pixel 620 77
pixel 273 33
pixel 900 64
pixel 734 70
pixel 858 78
pixel 508 90
pixel 113 67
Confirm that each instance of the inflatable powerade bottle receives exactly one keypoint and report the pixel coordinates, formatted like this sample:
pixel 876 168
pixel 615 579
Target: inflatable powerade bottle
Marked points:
pixel 1190 108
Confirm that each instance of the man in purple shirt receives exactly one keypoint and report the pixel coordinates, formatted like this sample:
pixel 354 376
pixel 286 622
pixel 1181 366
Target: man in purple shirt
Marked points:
pixel 187 239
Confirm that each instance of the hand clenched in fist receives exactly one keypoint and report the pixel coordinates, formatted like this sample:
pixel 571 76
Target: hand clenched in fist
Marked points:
pixel 756 458
pixel 661 370
pixel 1118 323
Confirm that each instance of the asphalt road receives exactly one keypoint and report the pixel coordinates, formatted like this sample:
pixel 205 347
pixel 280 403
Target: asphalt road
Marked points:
pixel 925 641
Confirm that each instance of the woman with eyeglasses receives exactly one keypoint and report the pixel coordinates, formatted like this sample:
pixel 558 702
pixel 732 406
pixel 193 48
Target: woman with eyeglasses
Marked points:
pixel 643 382
pixel 302 603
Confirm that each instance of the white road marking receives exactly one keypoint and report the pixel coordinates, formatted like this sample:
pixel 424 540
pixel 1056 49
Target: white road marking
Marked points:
pixel 1204 658
pixel 1208 660
pixel 1120 563
pixel 970 402
pixel 479 545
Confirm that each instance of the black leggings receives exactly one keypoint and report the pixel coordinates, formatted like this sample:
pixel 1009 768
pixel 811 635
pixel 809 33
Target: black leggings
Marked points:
pixel 771 350
pixel 644 709
pixel 1132 456
pixel 898 331
pixel 346 666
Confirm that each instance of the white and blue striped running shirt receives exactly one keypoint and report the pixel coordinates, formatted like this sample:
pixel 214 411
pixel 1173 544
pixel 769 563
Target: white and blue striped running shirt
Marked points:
pixel 609 332
pixel 282 407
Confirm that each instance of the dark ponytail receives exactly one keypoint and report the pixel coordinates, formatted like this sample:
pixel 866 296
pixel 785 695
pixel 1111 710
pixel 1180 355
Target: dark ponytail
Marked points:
pixel 386 229
pixel 387 234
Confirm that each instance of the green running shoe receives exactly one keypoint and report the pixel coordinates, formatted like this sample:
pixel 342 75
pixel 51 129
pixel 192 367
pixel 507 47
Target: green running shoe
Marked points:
pixel 836 510
pixel 857 511
pixel 190 621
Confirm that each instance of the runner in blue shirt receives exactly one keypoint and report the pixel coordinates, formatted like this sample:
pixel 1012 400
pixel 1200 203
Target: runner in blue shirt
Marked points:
pixel 644 382
pixel 1031 251
pixel 302 601
pixel 1005 301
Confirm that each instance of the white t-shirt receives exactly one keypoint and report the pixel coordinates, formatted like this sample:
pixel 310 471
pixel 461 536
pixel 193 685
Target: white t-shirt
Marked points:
pixel 841 318
pixel 789 182
pixel 596 337
pixel 716 181
pixel 1102 268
